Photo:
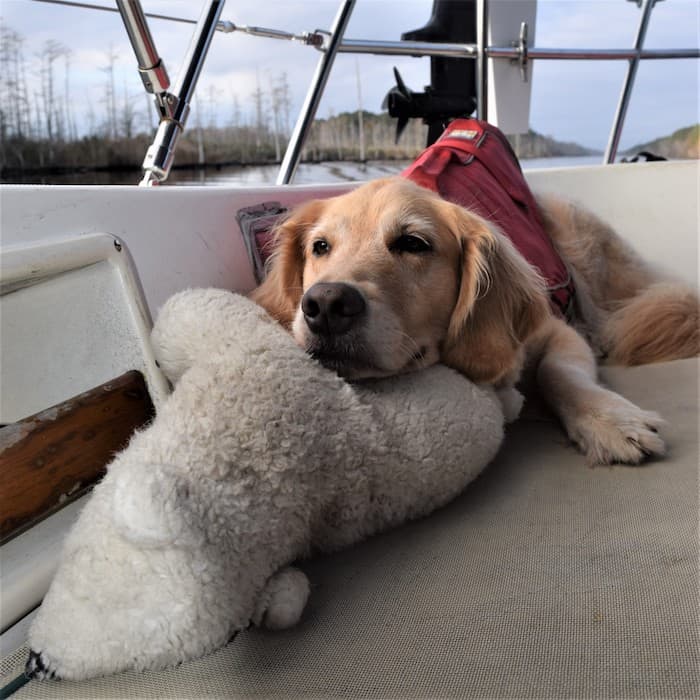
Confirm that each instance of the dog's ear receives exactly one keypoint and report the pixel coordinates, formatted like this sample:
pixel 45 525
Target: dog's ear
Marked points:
pixel 501 301
pixel 282 288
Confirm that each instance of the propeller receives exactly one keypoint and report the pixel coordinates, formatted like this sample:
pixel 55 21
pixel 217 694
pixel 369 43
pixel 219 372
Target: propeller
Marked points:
pixel 435 108
pixel 400 103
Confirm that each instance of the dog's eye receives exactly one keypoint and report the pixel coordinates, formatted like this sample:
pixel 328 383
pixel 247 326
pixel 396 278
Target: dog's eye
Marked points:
pixel 409 243
pixel 320 247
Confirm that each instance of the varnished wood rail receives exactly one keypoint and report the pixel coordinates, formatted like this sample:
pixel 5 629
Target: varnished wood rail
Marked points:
pixel 51 458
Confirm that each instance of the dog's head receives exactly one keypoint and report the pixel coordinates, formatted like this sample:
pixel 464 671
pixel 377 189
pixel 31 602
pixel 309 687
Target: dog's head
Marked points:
pixel 390 278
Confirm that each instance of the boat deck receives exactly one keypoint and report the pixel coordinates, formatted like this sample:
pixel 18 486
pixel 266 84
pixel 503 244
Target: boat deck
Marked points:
pixel 545 579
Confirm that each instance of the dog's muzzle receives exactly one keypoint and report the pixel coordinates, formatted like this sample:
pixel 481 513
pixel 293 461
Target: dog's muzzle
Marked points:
pixel 333 308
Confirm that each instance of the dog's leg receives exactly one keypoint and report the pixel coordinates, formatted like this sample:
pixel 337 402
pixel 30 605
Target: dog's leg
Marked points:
pixel 607 427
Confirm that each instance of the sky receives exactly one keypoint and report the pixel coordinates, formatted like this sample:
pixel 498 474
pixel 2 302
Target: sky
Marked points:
pixel 571 100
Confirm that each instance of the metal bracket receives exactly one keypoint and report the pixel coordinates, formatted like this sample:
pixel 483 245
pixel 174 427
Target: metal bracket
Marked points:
pixel 168 105
pixel 521 46
pixel 155 79
pixel 320 39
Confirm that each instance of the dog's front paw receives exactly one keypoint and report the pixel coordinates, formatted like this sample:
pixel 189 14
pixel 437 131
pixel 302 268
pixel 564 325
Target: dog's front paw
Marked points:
pixel 612 430
pixel 39 666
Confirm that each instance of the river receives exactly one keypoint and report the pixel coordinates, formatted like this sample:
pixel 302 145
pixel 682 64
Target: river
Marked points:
pixel 307 173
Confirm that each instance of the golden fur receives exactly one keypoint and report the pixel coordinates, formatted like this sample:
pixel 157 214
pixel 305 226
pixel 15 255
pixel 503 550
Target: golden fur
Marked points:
pixel 469 299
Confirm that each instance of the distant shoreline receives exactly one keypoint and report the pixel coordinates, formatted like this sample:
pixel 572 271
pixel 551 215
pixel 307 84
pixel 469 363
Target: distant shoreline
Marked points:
pixel 332 140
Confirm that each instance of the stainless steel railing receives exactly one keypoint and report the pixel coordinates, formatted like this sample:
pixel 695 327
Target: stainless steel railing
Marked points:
pixel 173 107
pixel 301 129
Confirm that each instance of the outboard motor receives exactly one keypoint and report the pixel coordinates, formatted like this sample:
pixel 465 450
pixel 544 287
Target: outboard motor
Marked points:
pixel 452 90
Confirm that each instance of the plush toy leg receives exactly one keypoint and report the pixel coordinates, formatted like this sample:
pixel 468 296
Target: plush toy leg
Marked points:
pixel 141 584
pixel 283 600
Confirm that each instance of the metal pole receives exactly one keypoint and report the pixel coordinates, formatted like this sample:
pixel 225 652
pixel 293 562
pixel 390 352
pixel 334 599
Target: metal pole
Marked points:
pixel 511 53
pixel 415 48
pixel 159 157
pixel 616 132
pixel 313 96
pixel 482 10
pixel 407 48
pixel 153 73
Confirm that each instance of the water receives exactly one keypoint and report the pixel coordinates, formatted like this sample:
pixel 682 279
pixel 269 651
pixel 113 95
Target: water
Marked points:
pixel 342 171
pixel 307 173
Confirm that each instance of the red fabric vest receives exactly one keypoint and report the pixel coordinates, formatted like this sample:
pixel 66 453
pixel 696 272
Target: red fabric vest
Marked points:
pixel 473 165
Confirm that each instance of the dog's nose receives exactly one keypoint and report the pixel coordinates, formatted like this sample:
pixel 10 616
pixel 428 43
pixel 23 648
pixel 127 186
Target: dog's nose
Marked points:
pixel 332 308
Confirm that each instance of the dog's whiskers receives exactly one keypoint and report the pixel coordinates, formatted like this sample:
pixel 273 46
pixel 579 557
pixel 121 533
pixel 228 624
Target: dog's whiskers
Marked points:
pixel 411 348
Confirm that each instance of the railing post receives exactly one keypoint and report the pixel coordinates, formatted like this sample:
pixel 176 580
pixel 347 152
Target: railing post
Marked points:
pixel 626 93
pixel 482 17
pixel 175 106
pixel 153 74
pixel 313 96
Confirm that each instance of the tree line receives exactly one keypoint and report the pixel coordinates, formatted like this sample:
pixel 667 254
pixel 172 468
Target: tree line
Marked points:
pixel 46 125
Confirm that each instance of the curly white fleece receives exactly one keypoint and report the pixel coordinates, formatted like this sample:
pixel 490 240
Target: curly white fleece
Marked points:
pixel 259 457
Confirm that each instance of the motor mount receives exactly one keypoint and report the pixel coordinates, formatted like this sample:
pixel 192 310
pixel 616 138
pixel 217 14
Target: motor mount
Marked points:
pixel 452 90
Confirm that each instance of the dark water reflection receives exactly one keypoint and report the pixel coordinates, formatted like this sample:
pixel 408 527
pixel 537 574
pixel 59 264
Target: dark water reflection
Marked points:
pixel 250 175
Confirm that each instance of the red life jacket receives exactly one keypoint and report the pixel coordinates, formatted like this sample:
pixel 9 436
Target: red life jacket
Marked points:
pixel 473 165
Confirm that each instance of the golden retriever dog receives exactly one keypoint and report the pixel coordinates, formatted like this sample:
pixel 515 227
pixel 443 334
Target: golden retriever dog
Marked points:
pixel 391 278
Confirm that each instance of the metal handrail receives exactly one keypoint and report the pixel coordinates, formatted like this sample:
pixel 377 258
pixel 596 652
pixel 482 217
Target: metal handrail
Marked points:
pixel 591 54
pixel 517 52
pixel 417 49
pixel 174 108
pixel 153 74
pixel 482 93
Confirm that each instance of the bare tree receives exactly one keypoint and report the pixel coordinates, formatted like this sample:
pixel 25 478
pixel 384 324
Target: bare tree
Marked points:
pixel 15 118
pixel 198 130
pixel 212 104
pixel 90 115
pixel 50 112
pixel 276 118
pixel 281 103
pixel 71 130
pixel 149 117
pixel 260 121
pixel 110 97
pixel 52 51
pixel 127 114
pixel 360 115
pixel 235 120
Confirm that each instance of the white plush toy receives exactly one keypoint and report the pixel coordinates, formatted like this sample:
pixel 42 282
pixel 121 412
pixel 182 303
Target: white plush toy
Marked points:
pixel 259 457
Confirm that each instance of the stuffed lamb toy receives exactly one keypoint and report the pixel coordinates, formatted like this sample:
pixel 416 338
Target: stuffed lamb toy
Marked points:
pixel 258 458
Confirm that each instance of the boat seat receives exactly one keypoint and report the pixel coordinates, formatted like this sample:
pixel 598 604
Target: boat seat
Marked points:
pixel 546 578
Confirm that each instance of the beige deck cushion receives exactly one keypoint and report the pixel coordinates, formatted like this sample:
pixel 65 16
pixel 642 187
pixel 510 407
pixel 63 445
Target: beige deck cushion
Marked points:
pixel 545 579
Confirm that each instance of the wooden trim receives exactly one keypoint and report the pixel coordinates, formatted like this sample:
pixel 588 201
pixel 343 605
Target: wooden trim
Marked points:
pixel 51 458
